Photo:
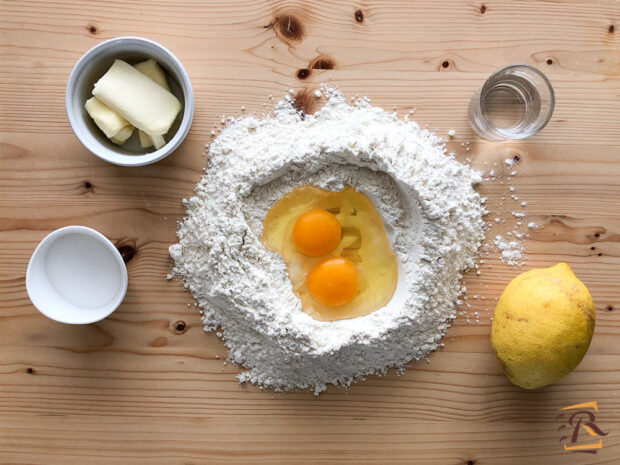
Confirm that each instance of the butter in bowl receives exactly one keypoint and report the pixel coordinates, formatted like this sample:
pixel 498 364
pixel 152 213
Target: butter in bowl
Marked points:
pixel 129 97
pixel 129 101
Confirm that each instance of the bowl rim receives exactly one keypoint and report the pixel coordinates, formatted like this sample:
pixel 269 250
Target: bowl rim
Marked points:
pixel 118 158
pixel 55 235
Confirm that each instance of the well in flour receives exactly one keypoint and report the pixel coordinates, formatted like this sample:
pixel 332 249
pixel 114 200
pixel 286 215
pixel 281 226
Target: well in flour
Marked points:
pixel 431 213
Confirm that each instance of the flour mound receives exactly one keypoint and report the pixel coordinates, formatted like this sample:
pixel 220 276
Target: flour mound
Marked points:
pixel 426 198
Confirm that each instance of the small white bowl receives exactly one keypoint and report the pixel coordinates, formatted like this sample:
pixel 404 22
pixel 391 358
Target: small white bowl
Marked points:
pixel 94 64
pixel 76 276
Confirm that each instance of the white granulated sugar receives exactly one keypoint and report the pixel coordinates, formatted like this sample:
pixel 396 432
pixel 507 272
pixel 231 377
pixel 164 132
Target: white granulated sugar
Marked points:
pixel 432 214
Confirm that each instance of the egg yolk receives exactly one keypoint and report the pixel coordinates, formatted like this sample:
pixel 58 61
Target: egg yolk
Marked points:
pixel 334 281
pixel 316 233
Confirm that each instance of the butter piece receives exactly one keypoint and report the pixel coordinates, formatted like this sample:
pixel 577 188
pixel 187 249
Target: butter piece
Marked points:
pixel 137 98
pixel 152 69
pixel 107 120
pixel 121 137
pixel 158 141
pixel 145 139
pixel 148 141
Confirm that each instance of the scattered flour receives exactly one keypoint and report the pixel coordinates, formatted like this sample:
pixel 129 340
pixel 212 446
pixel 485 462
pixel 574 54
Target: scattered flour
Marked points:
pixel 511 250
pixel 426 198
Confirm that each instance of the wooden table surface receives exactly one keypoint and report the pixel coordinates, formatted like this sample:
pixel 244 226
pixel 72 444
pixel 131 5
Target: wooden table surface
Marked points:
pixel 135 389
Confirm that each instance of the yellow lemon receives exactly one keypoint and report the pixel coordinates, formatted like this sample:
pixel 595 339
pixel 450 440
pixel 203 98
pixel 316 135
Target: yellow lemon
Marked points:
pixel 542 326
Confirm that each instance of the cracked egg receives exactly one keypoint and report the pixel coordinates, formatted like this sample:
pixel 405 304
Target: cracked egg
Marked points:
pixel 337 254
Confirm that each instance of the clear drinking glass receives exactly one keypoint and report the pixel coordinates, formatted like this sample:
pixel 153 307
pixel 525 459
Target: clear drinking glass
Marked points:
pixel 515 102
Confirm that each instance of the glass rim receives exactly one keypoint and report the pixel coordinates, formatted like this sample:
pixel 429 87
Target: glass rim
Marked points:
pixel 485 87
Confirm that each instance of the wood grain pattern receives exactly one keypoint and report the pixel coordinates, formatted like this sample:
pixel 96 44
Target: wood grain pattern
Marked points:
pixel 136 389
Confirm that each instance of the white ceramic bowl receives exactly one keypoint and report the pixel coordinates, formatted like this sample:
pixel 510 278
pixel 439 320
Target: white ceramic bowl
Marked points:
pixel 76 275
pixel 92 66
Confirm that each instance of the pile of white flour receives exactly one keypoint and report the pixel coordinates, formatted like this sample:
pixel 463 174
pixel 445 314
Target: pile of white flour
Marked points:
pixel 431 212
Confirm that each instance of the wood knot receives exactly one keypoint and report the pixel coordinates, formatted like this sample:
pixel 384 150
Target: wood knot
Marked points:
pixel 322 62
pixel 180 327
pixel 92 29
pixel 304 102
pixel 127 251
pixel 483 9
pixel 287 26
pixel 359 16
pixel 609 308
pixel 85 187
pixel 303 73
pixel 30 371
pixel 611 29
